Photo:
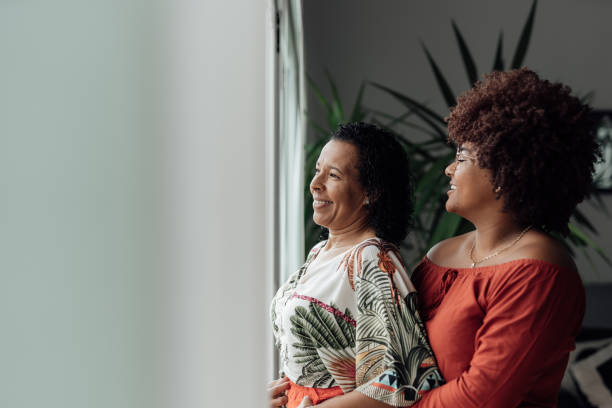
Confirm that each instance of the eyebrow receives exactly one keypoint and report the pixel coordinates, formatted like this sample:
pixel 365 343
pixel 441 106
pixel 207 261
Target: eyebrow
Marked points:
pixel 332 167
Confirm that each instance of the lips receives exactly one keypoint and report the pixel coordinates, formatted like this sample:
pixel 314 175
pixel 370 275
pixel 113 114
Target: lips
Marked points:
pixel 321 203
pixel 451 189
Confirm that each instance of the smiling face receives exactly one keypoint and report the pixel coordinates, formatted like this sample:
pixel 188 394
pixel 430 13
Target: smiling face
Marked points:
pixel 339 198
pixel 471 193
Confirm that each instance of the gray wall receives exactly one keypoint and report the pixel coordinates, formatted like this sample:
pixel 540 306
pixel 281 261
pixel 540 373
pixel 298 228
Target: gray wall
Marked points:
pixel 379 41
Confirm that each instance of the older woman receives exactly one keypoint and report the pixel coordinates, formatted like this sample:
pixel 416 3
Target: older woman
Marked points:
pixel 345 322
pixel 504 302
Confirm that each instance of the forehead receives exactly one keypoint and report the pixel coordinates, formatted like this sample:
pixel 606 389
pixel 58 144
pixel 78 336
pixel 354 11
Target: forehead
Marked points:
pixel 339 153
pixel 466 147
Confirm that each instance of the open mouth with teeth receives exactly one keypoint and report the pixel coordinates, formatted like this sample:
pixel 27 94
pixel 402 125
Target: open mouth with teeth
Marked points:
pixel 321 203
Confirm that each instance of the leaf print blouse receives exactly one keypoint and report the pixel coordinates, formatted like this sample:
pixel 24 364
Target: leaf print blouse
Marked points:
pixel 352 321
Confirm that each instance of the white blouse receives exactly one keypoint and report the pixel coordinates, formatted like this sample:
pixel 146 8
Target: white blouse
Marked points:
pixel 351 321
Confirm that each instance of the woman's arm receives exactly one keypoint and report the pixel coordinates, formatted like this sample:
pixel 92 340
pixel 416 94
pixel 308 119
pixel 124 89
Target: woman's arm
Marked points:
pixel 394 364
pixel 532 318
pixel 351 400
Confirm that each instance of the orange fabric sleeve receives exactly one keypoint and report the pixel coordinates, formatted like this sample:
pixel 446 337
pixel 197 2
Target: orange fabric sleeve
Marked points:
pixel 532 316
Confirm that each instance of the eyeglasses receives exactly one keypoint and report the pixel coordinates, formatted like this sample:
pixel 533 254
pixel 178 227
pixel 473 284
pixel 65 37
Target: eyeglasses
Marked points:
pixel 461 157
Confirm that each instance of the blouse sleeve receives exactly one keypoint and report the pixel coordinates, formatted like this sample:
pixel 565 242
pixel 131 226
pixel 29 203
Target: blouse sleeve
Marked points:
pixel 394 362
pixel 532 317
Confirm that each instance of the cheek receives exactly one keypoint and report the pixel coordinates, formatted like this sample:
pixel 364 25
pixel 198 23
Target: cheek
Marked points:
pixel 482 190
pixel 355 193
pixel 484 181
pixel 348 198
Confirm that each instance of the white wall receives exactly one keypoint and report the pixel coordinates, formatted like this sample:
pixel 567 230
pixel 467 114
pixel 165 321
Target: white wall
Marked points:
pixel 217 279
pixel 379 41
pixel 132 230
pixel 78 223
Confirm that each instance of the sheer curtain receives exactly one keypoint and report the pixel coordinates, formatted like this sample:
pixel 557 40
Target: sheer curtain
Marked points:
pixel 291 137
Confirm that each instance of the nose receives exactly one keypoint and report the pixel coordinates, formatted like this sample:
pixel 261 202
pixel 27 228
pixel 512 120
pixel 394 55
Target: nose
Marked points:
pixel 315 183
pixel 450 169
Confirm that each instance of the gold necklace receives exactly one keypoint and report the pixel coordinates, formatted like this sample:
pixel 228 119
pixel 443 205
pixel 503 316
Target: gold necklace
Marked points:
pixel 499 251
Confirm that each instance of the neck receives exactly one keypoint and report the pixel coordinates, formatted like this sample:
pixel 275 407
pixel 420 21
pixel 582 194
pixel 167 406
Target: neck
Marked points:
pixel 349 236
pixel 490 235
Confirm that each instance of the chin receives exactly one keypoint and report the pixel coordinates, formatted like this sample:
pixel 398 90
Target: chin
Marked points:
pixel 318 221
pixel 454 210
pixel 448 207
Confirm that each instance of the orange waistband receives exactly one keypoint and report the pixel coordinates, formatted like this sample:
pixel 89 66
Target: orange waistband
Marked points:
pixel 296 393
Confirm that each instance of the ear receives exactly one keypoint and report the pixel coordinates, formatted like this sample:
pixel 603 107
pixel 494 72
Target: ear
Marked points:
pixel 371 197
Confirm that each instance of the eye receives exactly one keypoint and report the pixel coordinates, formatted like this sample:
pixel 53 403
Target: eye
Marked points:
pixel 334 175
pixel 316 171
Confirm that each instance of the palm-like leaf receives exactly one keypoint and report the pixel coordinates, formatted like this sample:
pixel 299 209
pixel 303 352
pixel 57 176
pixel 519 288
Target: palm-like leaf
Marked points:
pixel 337 113
pixel 498 64
pixel 394 328
pixel 407 101
pixel 523 43
pixel 322 335
pixel 393 121
pixel 432 224
pixel 322 100
pixel 309 323
pixel 341 366
pixel 429 182
pixel 582 220
pixel 447 226
pixel 357 113
pixel 468 61
pixel 431 118
pixel 447 93
pixel 579 236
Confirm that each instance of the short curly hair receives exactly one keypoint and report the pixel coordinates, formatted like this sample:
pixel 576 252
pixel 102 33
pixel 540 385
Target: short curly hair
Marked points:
pixel 537 140
pixel 384 174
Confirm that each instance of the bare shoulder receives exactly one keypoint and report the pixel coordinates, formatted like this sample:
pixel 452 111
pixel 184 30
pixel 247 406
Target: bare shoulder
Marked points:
pixel 444 252
pixel 543 247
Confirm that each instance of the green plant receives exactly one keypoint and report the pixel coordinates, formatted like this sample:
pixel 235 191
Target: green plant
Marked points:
pixel 432 153
pixel 429 157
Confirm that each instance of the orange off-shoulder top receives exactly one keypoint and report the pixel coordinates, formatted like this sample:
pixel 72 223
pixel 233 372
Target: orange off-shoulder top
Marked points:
pixel 501 334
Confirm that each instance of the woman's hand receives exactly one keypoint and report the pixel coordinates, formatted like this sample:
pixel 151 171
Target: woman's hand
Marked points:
pixel 277 389
pixel 306 402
